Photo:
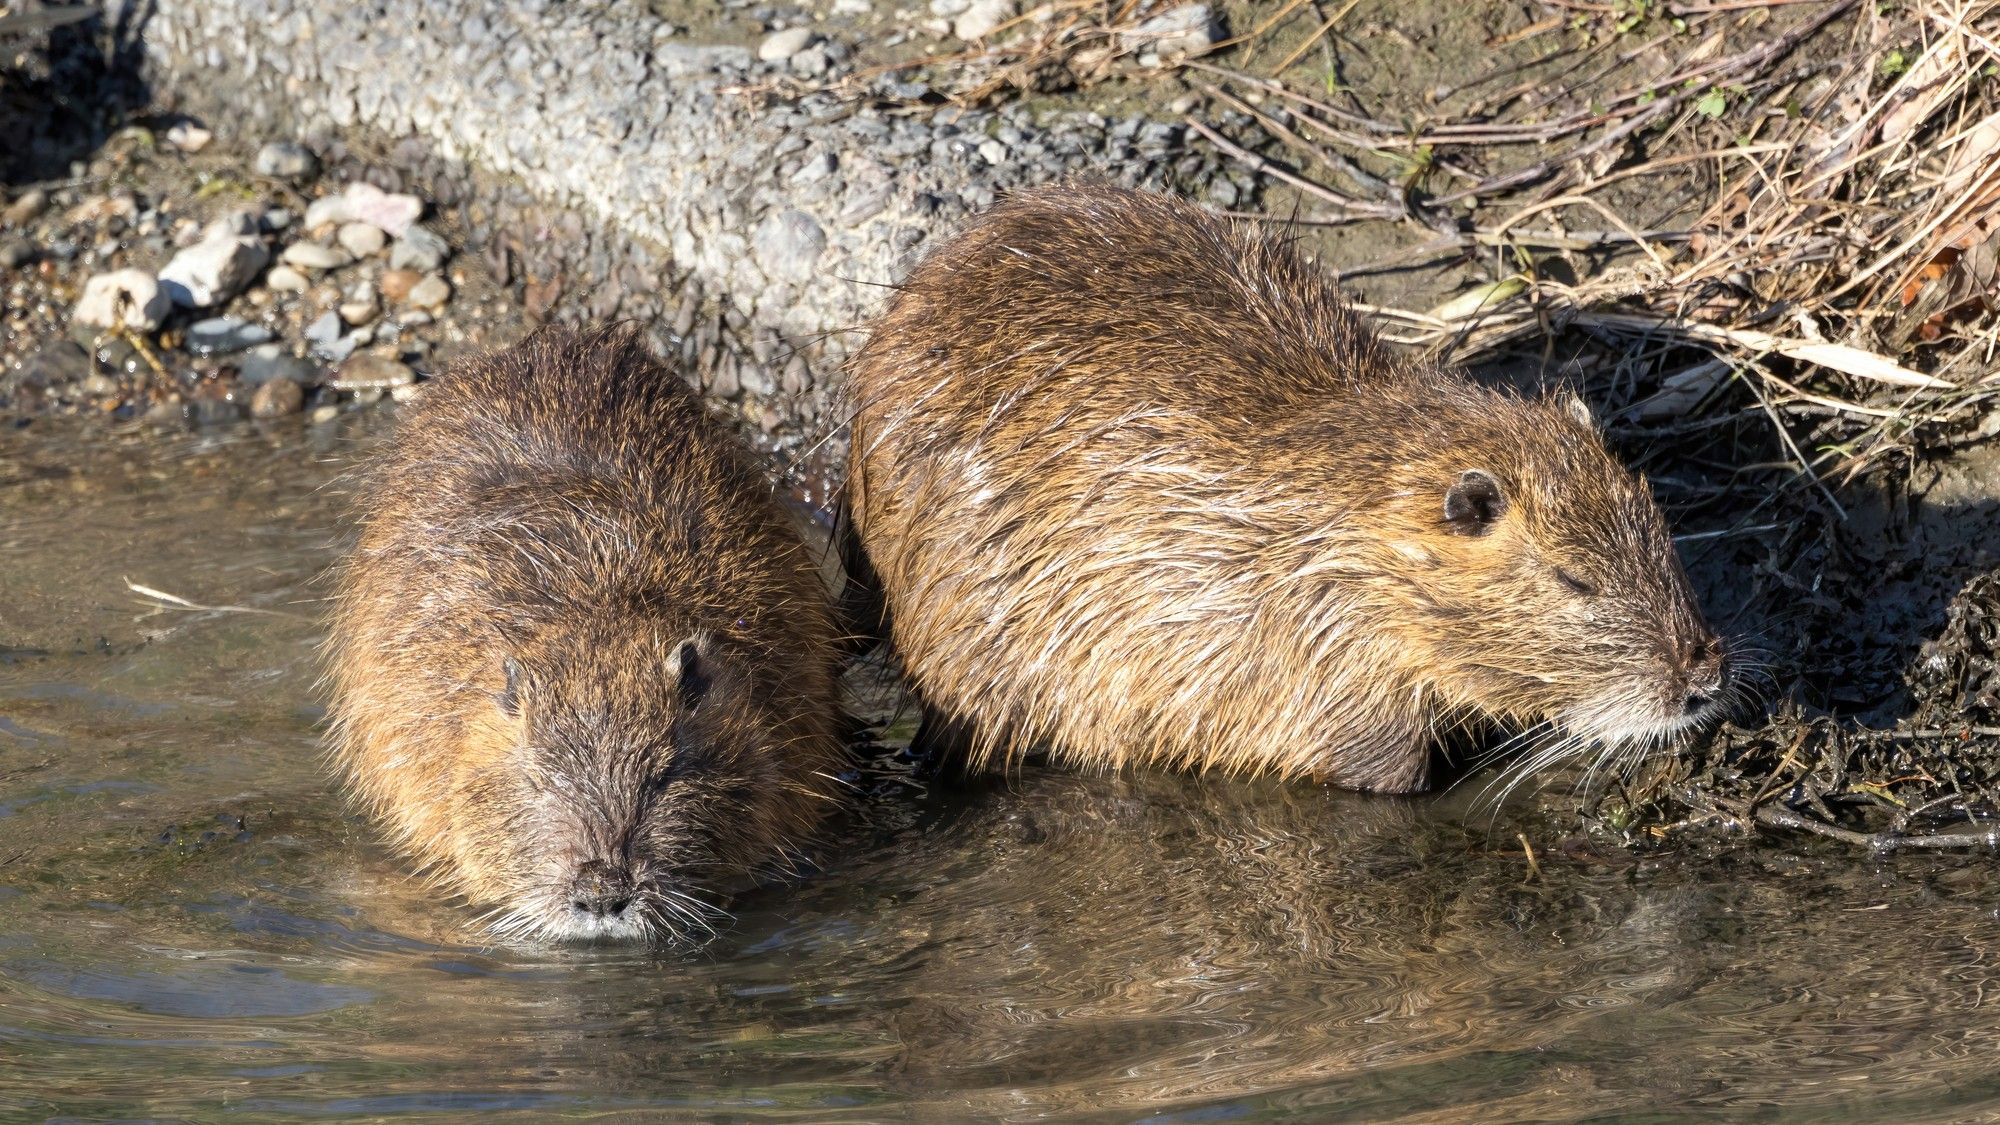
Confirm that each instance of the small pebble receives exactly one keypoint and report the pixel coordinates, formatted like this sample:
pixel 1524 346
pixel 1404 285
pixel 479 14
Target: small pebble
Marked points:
pixel 979 20
pixel 323 414
pixel 357 312
pixel 369 371
pixel 189 137
pixel 285 279
pixel 313 256
pixel 223 335
pixel 363 202
pixel 25 209
pixel 286 160
pixel 395 285
pixel 15 253
pixel 362 239
pixel 420 249
pixel 430 293
pixel 1186 32
pixel 781 45
pixel 265 362
pixel 325 339
pixel 131 296
pixel 277 398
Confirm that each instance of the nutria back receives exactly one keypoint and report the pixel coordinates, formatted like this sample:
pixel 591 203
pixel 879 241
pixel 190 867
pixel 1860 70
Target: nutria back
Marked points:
pixel 582 666
pixel 1138 486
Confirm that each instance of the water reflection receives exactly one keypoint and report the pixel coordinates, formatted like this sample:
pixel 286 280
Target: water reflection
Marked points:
pixel 191 921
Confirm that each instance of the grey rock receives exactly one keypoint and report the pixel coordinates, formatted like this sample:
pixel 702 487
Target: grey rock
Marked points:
pixel 214 269
pixel 325 339
pixel 1187 32
pixel 223 335
pixel 420 249
pixel 816 169
pixel 789 245
pixel 979 20
pixel 56 364
pixel 812 62
pixel 286 160
pixel 679 60
pixel 266 362
pixel 369 371
pixel 285 279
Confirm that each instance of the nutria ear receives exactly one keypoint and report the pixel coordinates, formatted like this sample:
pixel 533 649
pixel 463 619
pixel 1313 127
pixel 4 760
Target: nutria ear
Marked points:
pixel 1473 502
pixel 1577 408
pixel 691 673
pixel 509 695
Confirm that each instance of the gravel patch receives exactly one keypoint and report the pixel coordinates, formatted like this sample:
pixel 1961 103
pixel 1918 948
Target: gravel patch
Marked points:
pixel 604 163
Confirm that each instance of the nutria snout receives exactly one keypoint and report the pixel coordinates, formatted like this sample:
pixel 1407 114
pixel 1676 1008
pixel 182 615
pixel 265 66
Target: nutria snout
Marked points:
pixel 582 665
pixel 1137 485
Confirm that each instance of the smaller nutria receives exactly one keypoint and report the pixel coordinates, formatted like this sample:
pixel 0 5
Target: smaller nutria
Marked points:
pixel 1137 486
pixel 581 664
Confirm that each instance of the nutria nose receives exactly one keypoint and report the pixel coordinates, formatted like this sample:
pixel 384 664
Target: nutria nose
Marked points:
pixel 1706 670
pixel 600 890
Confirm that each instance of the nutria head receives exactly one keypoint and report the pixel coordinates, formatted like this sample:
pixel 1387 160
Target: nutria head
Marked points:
pixel 612 774
pixel 1537 580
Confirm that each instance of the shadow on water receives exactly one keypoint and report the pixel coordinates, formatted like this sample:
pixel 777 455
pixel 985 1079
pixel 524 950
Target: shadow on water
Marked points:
pixel 70 76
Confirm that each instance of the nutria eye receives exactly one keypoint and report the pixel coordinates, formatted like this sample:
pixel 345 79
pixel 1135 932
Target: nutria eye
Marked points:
pixel 1576 585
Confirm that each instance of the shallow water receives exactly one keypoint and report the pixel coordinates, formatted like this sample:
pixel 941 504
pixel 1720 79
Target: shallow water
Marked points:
pixel 191 923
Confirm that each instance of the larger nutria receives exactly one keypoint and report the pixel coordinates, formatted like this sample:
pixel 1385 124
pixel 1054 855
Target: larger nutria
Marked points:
pixel 581 664
pixel 1138 486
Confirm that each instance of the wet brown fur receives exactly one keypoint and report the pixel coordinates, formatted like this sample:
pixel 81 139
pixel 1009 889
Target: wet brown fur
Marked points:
pixel 567 503
pixel 1138 486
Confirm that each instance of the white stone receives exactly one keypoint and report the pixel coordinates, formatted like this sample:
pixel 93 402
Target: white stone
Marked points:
pixel 362 202
pixel 189 137
pixel 134 292
pixel 1187 32
pixel 362 239
pixel 313 256
pixel 430 293
pixel 285 279
pixel 212 270
pixel 978 21
pixel 784 44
